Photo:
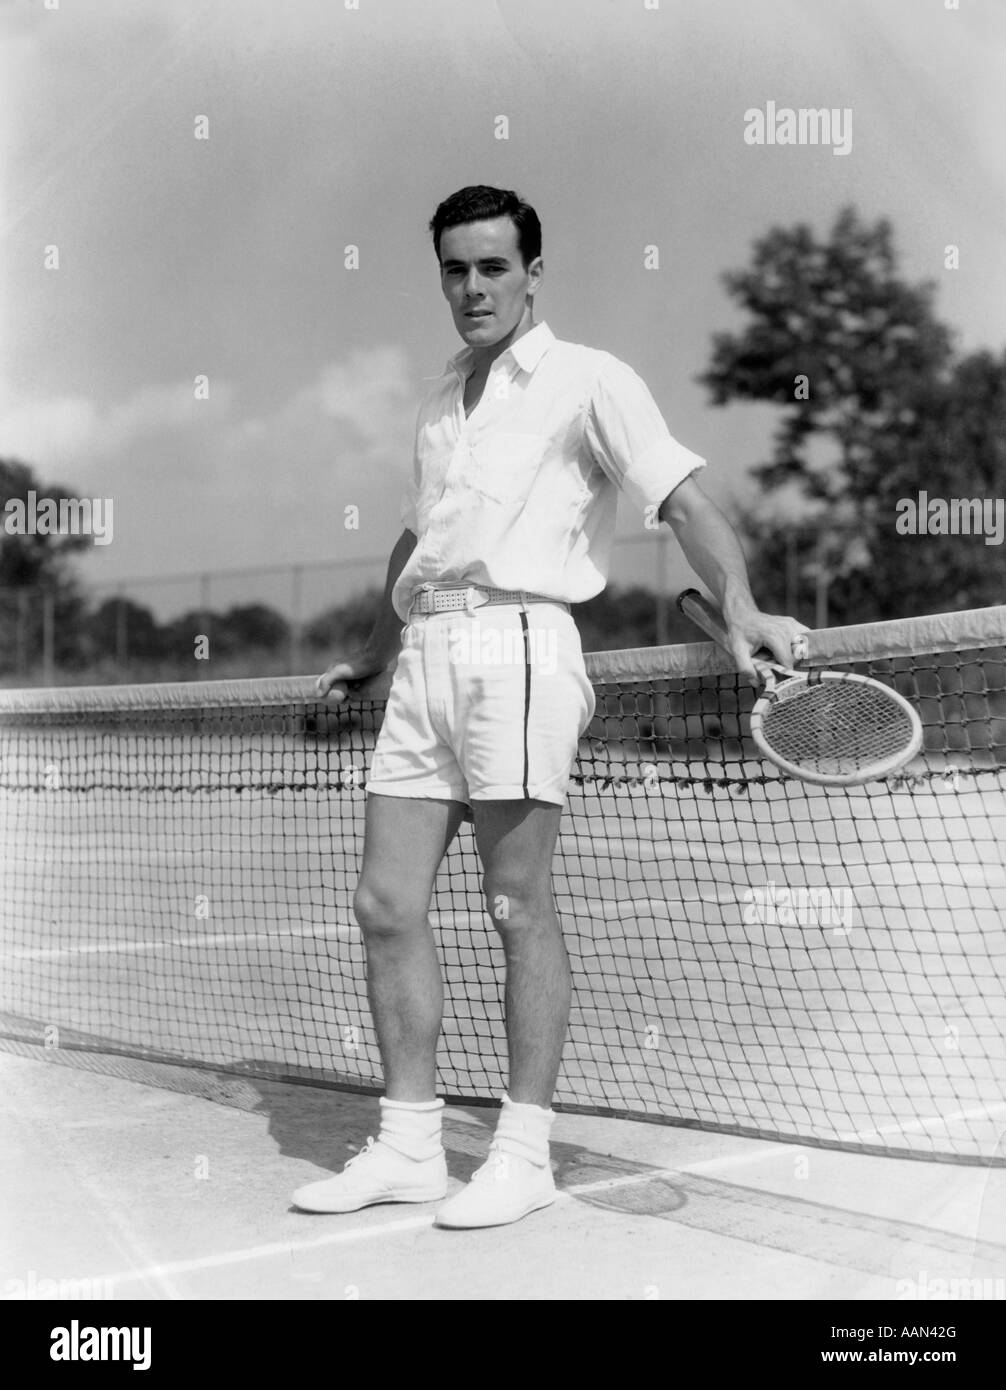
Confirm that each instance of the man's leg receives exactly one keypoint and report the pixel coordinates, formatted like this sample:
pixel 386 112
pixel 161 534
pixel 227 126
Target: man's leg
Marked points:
pixel 404 843
pixel 516 840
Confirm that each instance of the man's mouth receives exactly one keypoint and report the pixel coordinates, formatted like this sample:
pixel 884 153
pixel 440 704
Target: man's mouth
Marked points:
pixel 478 313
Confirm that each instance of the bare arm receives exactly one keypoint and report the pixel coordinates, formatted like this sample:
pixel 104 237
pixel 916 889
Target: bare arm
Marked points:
pixel 384 641
pixel 712 549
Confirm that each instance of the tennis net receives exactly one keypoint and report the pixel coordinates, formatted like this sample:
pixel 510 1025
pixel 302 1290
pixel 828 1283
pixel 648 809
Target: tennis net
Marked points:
pixel 750 954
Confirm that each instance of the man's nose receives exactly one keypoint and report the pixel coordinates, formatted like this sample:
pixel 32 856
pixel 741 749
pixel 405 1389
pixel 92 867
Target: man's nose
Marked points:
pixel 473 284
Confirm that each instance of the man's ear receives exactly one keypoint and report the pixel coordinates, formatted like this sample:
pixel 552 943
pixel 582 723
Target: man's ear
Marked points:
pixel 536 272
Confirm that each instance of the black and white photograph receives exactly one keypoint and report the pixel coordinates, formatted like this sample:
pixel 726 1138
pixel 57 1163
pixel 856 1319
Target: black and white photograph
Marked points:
pixel 503 665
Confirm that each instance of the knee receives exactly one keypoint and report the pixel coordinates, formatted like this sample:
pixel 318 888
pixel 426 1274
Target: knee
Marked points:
pixel 383 913
pixel 512 905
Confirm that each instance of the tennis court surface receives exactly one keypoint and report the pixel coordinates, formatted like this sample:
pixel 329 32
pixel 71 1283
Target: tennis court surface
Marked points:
pixel 767 975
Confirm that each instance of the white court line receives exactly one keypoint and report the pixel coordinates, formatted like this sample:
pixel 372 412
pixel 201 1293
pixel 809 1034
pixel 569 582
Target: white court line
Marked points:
pixel 344 931
pixel 585 910
pixel 605 910
pixel 983 1112
pixel 801 855
pixel 119 1232
pixel 744 852
pixel 164 1272
pixel 877 873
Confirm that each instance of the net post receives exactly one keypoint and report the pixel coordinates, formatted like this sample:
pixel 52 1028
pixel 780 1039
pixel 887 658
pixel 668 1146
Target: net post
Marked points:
pixel 662 608
pixel 21 658
pixel 296 615
pixel 205 581
pixel 792 571
pixel 821 585
pixel 48 637
pixel 121 635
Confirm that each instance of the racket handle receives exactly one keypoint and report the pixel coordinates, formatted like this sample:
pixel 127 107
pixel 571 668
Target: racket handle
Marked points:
pixel 695 606
pixel 702 612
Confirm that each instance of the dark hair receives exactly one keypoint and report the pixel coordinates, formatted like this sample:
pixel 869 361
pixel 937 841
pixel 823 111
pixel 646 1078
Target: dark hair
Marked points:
pixel 477 203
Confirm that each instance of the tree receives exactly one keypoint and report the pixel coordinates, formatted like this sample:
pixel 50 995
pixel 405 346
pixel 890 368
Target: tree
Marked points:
pixel 874 407
pixel 122 629
pixel 243 628
pixel 36 582
pixel 615 618
pixel 250 626
pixel 625 618
pixel 32 559
pixel 954 446
pixel 343 629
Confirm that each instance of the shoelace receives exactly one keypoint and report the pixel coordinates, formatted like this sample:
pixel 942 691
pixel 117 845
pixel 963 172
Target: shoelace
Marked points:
pixel 496 1167
pixel 368 1148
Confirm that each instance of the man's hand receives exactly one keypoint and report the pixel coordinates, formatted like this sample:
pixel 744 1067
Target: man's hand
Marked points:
pixel 369 673
pixel 362 674
pixel 749 629
pixel 712 549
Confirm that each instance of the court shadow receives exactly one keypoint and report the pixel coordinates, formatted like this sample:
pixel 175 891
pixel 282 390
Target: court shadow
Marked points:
pixel 328 1127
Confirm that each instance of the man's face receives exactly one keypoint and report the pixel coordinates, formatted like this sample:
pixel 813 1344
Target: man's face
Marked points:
pixel 484 279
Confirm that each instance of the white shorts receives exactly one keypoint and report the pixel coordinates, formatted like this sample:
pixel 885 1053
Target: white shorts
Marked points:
pixel 483 708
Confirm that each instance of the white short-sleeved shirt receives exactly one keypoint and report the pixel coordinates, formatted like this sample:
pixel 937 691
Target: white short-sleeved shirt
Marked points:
pixel 523 493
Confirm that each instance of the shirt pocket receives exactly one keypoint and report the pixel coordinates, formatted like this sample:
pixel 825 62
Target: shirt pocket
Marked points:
pixel 505 465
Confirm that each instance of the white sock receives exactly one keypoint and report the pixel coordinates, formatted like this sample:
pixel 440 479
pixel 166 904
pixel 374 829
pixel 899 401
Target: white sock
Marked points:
pixel 524 1129
pixel 411 1127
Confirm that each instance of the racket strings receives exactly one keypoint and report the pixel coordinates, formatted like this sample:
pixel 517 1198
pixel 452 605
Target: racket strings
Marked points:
pixel 836 726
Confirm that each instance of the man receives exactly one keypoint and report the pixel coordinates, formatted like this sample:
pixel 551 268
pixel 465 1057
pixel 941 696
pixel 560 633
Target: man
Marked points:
pixel 521 448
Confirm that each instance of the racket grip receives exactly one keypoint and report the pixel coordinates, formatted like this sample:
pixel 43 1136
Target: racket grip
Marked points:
pixel 702 612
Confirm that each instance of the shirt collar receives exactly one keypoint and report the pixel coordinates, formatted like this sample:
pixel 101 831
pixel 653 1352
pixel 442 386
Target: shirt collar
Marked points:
pixel 527 351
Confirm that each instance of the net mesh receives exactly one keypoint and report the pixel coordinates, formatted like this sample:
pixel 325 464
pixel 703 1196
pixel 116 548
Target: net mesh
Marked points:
pixel 836 727
pixel 749 953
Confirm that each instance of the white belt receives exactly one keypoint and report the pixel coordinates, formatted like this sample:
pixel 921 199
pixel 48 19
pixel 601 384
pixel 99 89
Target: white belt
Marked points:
pixel 453 598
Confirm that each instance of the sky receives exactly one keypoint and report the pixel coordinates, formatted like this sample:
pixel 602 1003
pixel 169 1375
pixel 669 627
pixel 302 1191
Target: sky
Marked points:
pixel 332 126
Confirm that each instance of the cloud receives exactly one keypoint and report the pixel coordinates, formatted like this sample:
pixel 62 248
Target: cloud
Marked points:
pixel 155 409
pixel 346 437
pixel 69 435
pixel 372 393
pixel 207 485
pixel 48 432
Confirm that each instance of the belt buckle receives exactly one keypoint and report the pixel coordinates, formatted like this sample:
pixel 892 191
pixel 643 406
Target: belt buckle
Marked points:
pixel 474 599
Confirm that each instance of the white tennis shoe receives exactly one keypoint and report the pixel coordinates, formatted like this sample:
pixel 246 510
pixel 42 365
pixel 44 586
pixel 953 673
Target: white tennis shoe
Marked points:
pixel 377 1174
pixel 504 1189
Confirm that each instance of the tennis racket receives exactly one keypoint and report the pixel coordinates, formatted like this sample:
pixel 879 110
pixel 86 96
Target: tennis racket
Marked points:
pixel 832 728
